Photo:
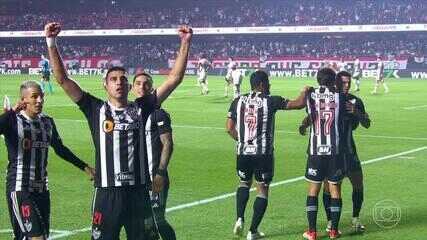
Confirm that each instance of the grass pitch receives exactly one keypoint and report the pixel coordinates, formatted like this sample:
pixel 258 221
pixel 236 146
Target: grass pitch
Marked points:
pixel 203 164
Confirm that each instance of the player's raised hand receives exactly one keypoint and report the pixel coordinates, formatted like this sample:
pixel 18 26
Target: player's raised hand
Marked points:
pixel 185 33
pixel 20 105
pixel 52 29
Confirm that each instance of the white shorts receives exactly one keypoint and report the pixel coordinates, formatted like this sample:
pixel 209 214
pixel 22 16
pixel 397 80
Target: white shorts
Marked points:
pixel 202 76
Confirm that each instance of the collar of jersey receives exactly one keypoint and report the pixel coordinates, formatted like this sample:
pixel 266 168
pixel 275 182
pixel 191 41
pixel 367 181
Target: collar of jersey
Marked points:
pixel 22 112
pixel 114 108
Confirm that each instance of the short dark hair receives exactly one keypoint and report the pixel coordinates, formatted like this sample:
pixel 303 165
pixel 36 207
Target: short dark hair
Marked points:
pixel 326 77
pixel 148 76
pixel 257 78
pixel 342 74
pixel 113 69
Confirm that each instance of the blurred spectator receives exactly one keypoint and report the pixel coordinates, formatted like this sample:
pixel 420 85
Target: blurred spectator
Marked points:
pixel 155 51
pixel 208 13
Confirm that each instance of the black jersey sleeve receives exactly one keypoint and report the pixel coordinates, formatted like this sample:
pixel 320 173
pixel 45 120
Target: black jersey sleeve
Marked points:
pixel 148 103
pixel 279 103
pixel 232 111
pixel 163 121
pixel 88 104
pixel 63 151
pixel 5 120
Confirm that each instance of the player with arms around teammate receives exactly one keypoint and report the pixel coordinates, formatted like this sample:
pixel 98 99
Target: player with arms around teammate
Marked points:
pixel 158 132
pixel 28 135
pixel 251 124
pixel 325 109
pixel 203 66
pixel 355 115
pixel 121 197
pixel 379 77
pixel 45 71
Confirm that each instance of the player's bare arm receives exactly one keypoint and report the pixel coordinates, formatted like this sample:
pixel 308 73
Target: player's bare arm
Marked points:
pixel 177 73
pixel 231 128
pixel 72 89
pixel 299 102
pixel 165 156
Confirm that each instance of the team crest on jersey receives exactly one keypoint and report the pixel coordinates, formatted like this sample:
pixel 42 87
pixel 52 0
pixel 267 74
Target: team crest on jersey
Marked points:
pixel 133 112
pixel 107 126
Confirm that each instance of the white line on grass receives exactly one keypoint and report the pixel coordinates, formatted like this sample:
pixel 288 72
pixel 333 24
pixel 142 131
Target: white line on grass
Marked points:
pixel 280 131
pixel 228 195
pixel 415 107
pixel 52 231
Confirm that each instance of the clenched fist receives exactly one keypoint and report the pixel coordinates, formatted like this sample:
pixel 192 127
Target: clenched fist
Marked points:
pixel 185 33
pixel 52 29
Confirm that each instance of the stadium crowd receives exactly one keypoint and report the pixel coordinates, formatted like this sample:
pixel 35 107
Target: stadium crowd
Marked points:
pixel 148 14
pixel 137 51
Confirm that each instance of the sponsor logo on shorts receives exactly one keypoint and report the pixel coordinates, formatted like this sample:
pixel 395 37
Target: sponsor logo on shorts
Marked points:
pixel 324 149
pixel 312 172
pixel 96 233
pixel 28 226
pixel 125 176
pixel 241 174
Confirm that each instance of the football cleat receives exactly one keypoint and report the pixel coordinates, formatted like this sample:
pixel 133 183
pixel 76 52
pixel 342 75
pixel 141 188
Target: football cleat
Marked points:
pixel 253 236
pixel 238 227
pixel 310 235
pixel 334 234
pixel 357 225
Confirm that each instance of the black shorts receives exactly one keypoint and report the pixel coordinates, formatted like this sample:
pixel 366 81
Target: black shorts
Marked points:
pixel 328 167
pixel 158 202
pixel 29 213
pixel 262 166
pixel 351 163
pixel 128 207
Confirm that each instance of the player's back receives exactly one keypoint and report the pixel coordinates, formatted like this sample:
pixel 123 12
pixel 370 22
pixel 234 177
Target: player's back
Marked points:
pixel 324 107
pixel 254 116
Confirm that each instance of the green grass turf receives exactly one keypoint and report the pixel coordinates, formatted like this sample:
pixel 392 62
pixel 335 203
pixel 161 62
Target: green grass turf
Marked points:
pixel 203 164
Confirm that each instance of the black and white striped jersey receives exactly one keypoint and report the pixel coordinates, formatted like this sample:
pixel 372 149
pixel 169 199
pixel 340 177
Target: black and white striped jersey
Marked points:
pixel 27 141
pixel 325 109
pixel 158 123
pixel 254 115
pixel 119 139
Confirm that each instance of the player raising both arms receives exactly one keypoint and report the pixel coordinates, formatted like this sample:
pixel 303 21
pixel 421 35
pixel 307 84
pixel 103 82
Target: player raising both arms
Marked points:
pixel 28 134
pixel 121 197
pixel 250 123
